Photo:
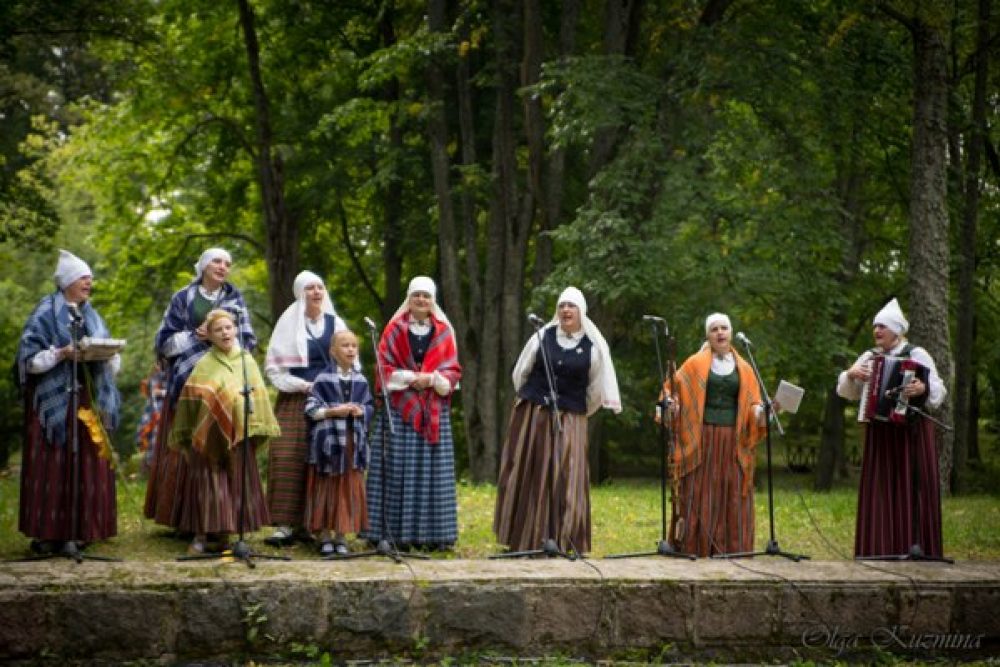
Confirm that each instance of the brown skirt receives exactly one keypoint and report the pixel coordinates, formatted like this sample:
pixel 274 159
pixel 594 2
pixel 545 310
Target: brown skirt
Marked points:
pixel 286 467
pixel 899 486
pixel 165 471
pixel 528 508
pixel 210 494
pixel 711 515
pixel 336 502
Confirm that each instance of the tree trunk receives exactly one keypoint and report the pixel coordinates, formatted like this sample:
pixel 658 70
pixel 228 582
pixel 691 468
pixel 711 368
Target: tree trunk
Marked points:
pixel 928 262
pixel 281 229
pixel 965 345
pixel 392 254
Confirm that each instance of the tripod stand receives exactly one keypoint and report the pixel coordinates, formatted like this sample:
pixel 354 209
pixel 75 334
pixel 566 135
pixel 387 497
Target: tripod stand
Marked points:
pixel 549 547
pixel 71 547
pixel 772 548
pixel 240 550
pixel 385 545
pixel 916 551
pixel 666 432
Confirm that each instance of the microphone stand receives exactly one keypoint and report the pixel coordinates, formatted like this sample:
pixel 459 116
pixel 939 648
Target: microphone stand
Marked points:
pixel 385 545
pixel 549 546
pixel 666 432
pixel 71 548
pixel 241 550
pixel 916 551
pixel 772 548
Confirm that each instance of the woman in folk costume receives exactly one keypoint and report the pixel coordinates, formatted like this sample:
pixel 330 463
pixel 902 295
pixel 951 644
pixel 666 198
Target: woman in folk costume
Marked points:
pixel 208 428
pixel 893 450
pixel 299 351
pixel 719 421
pixel 531 507
pixel 419 355
pixel 340 409
pixel 182 340
pixel 45 359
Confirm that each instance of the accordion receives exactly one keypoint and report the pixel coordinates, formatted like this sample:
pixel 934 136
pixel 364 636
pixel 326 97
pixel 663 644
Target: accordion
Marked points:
pixel 882 398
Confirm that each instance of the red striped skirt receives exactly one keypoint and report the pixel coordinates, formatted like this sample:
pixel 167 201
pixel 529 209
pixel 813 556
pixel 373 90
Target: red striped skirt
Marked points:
pixel 46 510
pixel 286 462
pixel 165 472
pixel 899 464
pixel 336 502
pixel 528 510
pixel 711 515
pixel 210 494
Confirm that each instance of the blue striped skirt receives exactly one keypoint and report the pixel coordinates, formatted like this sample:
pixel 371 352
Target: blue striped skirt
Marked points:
pixel 419 486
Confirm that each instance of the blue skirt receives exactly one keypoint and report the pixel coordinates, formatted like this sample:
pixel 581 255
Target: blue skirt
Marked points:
pixel 419 486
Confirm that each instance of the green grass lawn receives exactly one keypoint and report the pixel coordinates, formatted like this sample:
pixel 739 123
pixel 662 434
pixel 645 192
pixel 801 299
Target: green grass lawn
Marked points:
pixel 625 514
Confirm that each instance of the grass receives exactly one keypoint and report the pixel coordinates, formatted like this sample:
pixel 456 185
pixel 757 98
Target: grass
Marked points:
pixel 625 516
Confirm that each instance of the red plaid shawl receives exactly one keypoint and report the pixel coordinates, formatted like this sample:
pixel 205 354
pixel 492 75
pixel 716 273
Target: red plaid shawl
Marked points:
pixel 421 409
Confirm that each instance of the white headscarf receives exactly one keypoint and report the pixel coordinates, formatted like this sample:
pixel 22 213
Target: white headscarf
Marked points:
pixel 891 317
pixel 69 269
pixel 425 284
pixel 208 256
pixel 289 346
pixel 608 381
pixel 717 317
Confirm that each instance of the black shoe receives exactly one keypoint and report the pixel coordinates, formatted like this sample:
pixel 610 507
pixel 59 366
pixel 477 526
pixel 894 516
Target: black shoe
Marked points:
pixel 45 547
pixel 282 537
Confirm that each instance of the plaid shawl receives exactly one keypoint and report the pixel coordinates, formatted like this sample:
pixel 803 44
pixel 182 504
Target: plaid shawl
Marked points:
pixel 328 437
pixel 421 409
pixel 690 383
pixel 210 410
pixel 179 317
pixel 49 326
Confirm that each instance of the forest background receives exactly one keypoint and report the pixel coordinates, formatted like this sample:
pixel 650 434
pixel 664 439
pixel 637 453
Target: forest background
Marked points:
pixel 794 163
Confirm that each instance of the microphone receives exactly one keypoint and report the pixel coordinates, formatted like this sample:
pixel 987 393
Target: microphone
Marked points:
pixel 371 325
pixel 657 320
pixel 742 337
pixel 74 311
pixel 536 320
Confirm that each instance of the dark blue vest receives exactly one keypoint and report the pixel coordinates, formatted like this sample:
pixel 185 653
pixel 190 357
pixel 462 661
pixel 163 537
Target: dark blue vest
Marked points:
pixel 571 369
pixel 319 351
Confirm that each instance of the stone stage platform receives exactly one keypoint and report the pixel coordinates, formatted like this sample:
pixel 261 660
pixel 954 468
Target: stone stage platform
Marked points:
pixel 633 610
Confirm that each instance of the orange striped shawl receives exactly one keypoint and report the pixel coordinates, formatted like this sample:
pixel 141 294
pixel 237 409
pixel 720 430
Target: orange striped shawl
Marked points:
pixel 690 383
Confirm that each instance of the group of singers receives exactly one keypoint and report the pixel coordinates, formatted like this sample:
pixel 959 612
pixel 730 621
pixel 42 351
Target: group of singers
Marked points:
pixel 332 473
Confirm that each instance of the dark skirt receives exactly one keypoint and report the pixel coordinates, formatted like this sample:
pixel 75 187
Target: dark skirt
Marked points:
pixel 528 508
pixel 166 470
pixel 210 494
pixel 710 514
pixel 419 486
pixel 47 504
pixel 336 502
pixel 286 467
pixel 899 464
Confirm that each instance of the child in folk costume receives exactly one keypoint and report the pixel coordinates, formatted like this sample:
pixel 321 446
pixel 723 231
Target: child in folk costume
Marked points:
pixel 340 409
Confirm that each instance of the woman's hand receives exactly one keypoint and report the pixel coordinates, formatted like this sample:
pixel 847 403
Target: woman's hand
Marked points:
pixel 860 371
pixel 201 333
pixel 915 388
pixel 422 381
pixel 69 352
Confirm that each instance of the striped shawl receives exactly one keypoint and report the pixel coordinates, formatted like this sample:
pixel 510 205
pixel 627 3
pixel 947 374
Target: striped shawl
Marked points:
pixel 328 437
pixel 421 409
pixel 690 383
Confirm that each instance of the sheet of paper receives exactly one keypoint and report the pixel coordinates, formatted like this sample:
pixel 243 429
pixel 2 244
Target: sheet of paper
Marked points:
pixel 789 396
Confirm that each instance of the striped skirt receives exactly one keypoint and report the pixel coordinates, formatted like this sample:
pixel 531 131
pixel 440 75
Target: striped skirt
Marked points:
pixel 529 509
pixel 47 500
pixel 711 515
pixel 419 485
pixel 336 502
pixel 895 459
pixel 167 467
pixel 286 462
pixel 211 493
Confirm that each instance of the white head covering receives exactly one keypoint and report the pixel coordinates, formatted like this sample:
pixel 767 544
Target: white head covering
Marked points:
pixel 69 269
pixel 208 256
pixel 608 381
pixel 289 347
pixel 717 317
pixel 425 284
pixel 892 318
